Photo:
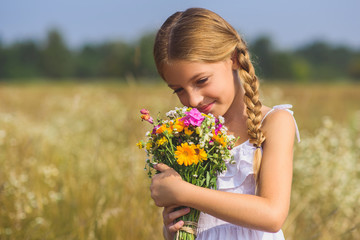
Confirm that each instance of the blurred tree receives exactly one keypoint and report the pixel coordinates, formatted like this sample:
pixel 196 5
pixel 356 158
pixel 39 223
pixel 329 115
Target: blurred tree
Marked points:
pixel 301 70
pixel 282 66
pixel 326 61
pixel 88 62
pixel 56 57
pixel 21 60
pixel 117 59
pixel 2 60
pixel 262 55
pixel 318 55
pixel 124 60
pixel 143 59
pixel 354 67
pixel 340 58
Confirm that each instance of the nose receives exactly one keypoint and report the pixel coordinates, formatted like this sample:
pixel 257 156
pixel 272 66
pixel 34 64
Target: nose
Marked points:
pixel 194 98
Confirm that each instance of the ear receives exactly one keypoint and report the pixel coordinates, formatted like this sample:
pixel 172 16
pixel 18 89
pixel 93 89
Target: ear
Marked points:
pixel 235 60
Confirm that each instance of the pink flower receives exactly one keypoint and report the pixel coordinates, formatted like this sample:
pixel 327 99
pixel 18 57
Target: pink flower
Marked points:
pixel 193 117
pixel 218 128
pixel 144 111
pixel 146 116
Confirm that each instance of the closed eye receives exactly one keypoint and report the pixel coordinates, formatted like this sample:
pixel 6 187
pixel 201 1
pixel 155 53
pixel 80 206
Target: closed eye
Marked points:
pixel 202 81
pixel 198 82
pixel 178 90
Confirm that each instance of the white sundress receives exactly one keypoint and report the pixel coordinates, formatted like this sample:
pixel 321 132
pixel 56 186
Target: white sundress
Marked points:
pixel 238 178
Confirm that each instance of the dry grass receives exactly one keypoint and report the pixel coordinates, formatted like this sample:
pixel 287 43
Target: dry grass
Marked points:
pixel 70 168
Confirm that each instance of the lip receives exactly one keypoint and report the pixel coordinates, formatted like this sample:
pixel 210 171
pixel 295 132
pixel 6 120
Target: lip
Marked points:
pixel 206 108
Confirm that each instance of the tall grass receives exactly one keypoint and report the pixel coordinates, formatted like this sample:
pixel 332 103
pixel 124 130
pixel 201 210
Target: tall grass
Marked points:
pixel 70 168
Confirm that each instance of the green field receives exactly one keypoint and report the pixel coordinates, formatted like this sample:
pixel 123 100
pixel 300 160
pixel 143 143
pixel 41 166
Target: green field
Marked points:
pixel 70 168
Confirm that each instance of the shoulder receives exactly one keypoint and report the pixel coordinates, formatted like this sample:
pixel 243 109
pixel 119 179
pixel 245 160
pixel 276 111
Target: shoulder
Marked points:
pixel 279 124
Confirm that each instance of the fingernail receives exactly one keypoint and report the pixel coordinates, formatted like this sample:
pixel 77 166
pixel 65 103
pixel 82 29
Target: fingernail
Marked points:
pixel 154 164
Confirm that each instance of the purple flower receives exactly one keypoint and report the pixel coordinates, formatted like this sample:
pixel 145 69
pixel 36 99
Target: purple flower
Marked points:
pixel 155 128
pixel 193 117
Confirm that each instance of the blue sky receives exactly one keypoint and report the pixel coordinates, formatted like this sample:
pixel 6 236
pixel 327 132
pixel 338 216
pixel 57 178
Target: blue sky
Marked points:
pixel 289 23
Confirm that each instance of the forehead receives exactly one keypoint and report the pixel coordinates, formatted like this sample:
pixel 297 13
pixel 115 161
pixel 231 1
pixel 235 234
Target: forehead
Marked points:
pixel 178 71
pixel 181 70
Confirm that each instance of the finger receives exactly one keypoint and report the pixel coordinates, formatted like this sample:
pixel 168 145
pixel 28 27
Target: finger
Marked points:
pixel 170 209
pixel 170 216
pixel 178 213
pixel 175 227
pixel 161 167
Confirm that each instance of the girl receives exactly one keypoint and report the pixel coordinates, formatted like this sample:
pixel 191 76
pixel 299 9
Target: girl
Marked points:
pixel 206 63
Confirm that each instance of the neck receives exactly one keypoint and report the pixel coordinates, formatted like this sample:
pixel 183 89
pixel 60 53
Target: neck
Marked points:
pixel 235 117
pixel 235 120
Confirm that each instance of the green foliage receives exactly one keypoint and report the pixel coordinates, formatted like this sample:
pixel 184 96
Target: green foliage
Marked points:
pixel 20 60
pixel 326 61
pixel 262 51
pixel 53 59
pixel 354 66
pixel 144 62
pixel 56 58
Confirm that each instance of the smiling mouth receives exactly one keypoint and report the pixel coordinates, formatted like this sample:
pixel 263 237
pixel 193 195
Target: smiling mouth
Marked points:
pixel 206 108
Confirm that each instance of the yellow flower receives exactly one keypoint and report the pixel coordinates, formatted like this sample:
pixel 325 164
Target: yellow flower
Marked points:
pixel 140 145
pixel 188 131
pixel 200 153
pixel 185 154
pixel 161 141
pixel 148 146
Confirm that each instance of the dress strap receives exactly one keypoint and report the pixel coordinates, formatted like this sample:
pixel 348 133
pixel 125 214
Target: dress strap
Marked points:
pixel 287 108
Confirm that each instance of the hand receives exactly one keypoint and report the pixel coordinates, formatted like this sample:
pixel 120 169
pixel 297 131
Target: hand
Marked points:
pixel 169 217
pixel 165 186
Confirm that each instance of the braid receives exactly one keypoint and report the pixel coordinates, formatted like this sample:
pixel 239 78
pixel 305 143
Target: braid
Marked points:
pixel 253 105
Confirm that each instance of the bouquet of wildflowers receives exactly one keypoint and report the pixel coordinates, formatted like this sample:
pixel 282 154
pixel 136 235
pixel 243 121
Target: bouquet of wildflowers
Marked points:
pixel 195 145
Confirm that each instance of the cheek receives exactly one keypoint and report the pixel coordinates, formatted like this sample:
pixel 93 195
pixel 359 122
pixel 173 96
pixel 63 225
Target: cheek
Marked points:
pixel 219 90
pixel 183 100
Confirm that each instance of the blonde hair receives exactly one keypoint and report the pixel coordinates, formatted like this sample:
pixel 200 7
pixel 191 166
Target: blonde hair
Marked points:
pixel 201 35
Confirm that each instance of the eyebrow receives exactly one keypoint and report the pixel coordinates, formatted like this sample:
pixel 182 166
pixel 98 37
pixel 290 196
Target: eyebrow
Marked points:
pixel 191 79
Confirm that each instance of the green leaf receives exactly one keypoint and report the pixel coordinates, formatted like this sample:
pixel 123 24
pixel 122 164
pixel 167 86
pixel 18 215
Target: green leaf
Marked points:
pixel 207 179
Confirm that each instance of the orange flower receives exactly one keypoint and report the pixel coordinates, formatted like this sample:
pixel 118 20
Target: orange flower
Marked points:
pixel 218 138
pixel 146 116
pixel 163 128
pixel 186 154
pixel 178 125
pixel 200 153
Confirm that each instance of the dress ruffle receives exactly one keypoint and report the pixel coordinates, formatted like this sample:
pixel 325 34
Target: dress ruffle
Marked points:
pixel 240 171
pixel 228 231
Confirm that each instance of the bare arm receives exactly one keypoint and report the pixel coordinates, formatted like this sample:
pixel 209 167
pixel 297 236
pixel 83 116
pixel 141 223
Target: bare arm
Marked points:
pixel 268 210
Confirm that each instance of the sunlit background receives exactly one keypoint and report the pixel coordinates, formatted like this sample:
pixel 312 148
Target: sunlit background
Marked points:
pixel 73 75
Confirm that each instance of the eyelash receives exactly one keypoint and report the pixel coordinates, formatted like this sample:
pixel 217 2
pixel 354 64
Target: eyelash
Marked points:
pixel 177 91
pixel 202 80
pixel 199 82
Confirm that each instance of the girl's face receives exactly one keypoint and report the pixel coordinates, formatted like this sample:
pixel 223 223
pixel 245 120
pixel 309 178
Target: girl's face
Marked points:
pixel 209 87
